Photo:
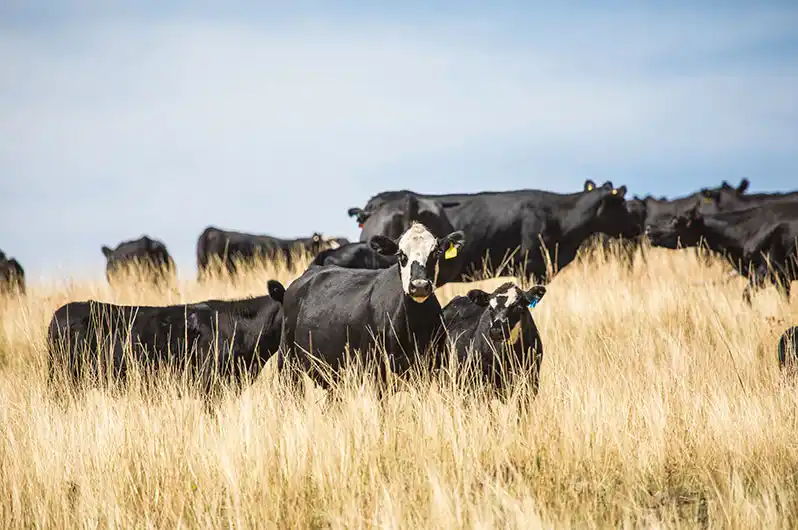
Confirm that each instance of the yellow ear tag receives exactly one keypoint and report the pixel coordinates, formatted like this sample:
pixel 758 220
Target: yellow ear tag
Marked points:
pixel 707 199
pixel 614 191
pixel 451 252
pixel 589 187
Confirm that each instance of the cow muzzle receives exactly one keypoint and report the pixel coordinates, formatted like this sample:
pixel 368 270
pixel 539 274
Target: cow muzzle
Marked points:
pixel 420 290
pixel 496 333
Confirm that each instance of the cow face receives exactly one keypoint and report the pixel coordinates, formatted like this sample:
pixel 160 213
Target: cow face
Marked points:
pixel 506 307
pixel 684 228
pixel 607 205
pixel 420 256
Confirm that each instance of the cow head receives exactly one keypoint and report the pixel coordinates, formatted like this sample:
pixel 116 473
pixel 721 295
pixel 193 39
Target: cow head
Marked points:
pixel 590 185
pixel 604 209
pixel 684 227
pixel 506 306
pixel 421 256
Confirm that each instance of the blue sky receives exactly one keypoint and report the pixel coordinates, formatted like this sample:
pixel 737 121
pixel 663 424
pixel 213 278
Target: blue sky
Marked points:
pixel 165 117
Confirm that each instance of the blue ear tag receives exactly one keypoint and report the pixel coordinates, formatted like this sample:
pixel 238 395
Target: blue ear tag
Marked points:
pixel 534 302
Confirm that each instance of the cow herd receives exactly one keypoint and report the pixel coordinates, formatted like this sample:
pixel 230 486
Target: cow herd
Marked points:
pixel 375 301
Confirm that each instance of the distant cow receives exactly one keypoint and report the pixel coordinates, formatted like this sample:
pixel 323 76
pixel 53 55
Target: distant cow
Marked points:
pixel 12 276
pixel 525 230
pixel 497 329
pixel 150 255
pixel 393 218
pixel 788 349
pixel 394 309
pixel 759 241
pixel 358 255
pixel 228 338
pixel 230 247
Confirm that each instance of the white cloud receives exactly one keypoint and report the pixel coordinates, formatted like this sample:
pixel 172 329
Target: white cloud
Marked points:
pixel 118 129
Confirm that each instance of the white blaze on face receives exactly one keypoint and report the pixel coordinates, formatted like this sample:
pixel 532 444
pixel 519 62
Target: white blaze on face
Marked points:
pixel 504 299
pixel 417 244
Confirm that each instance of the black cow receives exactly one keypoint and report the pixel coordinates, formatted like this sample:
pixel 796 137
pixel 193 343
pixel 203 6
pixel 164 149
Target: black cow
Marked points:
pixel 499 330
pixel 760 241
pixel 509 230
pixel 627 247
pixel 358 255
pixel 225 337
pixel 231 247
pixel 394 309
pixel 150 255
pixel 392 218
pixel 788 349
pixel 12 276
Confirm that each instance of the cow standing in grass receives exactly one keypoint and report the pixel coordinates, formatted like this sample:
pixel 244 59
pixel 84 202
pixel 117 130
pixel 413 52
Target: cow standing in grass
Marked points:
pixel 149 256
pixel 228 249
pixel 394 310
pixel 498 332
pixel 224 338
pixel 12 276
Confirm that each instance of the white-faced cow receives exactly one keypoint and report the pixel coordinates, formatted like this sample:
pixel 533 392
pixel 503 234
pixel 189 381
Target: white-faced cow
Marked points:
pixel 12 276
pixel 215 339
pixel 227 248
pixel 498 332
pixel 149 256
pixel 394 310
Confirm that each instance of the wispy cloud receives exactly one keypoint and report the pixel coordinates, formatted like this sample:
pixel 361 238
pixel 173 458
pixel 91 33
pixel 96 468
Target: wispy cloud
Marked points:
pixel 166 125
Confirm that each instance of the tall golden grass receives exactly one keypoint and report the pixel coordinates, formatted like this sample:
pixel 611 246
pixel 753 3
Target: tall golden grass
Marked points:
pixel 661 405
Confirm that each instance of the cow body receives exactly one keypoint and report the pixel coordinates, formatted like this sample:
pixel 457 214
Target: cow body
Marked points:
pixel 497 329
pixel 526 229
pixel 759 241
pixel 12 276
pixel 150 255
pixel 392 310
pixel 229 338
pixel 358 255
pixel 230 247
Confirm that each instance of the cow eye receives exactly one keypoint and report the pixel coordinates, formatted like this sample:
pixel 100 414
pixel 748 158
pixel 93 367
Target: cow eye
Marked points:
pixel 402 259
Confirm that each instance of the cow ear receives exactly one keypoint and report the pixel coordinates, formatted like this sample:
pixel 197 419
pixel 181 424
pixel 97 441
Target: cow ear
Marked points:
pixel 316 237
pixel 383 245
pixel 743 186
pixel 276 290
pixel 619 192
pixel 107 251
pixel 479 297
pixel 534 295
pixel 352 212
pixel 452 244
pixel 590 185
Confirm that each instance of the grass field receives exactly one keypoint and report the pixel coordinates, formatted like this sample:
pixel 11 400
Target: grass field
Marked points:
pixel 661 405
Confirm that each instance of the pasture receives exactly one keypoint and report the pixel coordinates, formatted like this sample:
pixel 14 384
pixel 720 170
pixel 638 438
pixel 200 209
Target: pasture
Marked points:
pixel 661 405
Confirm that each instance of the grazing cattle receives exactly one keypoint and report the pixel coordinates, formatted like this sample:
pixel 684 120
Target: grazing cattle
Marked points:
pixel 358 255
pixel 393 218
pixel 149 254
pixel 225 337
pixel 498 330
pixel 395 309
pixel 759 241
pixel 509 230
pixel 788 349
pixel 229 248
pixel 12 276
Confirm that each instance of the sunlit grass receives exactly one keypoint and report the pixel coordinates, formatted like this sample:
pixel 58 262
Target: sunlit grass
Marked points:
pixel 660 404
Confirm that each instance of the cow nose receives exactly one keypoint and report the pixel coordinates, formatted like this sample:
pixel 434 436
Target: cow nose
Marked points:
pixel 420 288
pixel 496 333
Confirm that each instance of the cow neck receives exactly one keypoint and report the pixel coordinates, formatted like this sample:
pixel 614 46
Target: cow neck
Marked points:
pixel 720 235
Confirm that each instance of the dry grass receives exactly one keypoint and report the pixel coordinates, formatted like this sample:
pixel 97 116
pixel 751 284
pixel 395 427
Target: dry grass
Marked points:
pixel 660 406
